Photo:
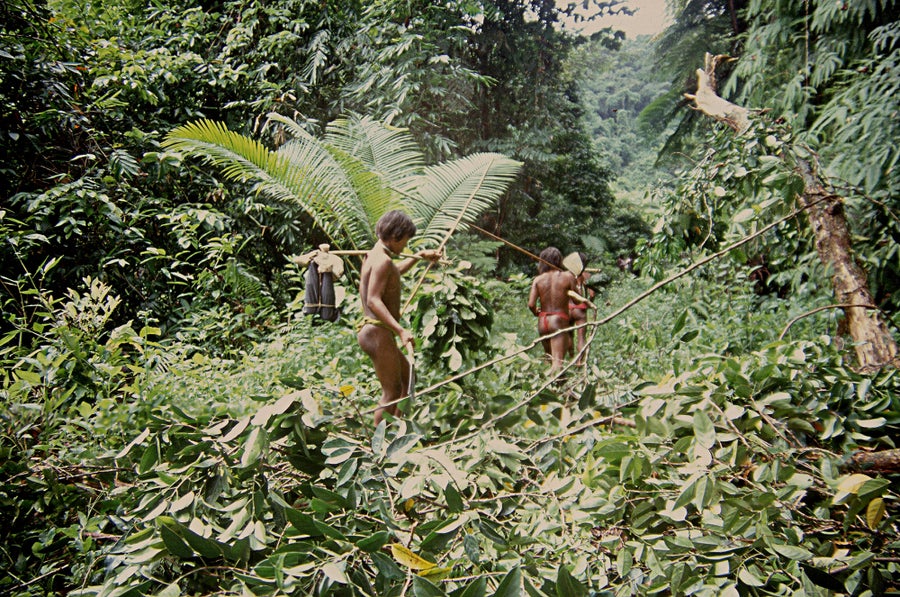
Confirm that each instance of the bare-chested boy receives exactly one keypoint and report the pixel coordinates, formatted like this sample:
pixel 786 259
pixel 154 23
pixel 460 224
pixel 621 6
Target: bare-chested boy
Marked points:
pixel 379 292
pixel 551 288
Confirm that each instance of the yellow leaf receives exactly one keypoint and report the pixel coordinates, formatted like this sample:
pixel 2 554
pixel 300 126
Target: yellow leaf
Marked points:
pixel 852 483
pixel 409 559
pixel 875 512
pixel 346 390
pixel 436 574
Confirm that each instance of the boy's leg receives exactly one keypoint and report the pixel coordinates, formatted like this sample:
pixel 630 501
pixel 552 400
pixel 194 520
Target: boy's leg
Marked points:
pixel 389 365
pixel 559 345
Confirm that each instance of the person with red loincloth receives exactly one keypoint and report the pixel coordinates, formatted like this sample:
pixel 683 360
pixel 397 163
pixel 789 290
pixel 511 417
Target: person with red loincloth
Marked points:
pixel 551 289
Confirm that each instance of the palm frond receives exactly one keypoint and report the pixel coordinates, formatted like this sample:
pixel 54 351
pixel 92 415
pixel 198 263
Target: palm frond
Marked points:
pixel 295 173
pixel 297 131
pixel 239 157
pixel 361 170
pixel 458 192
pixel 389 152
pixel 328 192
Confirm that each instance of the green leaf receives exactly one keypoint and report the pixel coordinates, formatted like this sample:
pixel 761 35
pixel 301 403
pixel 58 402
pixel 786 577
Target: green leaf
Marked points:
pixel 792 552
pixel 704 430
pixel 374 542
pixel 823 579
pixel 387 567
pixel 454 500
pixel 567 585
pixel 207 548
pixel 253 447
pixel 304 523
pixel 422 587
pixel 511 585
pixel 175 544
pixel 490 532
pixel 679 323
pixel 750 579
pixel 872 488
pixel 170 590
pixel 401 445
pixel 335 572
pixel 476 588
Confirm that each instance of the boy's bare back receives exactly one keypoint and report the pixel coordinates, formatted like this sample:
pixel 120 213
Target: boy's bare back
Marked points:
pixel 380 280
pixel 552 289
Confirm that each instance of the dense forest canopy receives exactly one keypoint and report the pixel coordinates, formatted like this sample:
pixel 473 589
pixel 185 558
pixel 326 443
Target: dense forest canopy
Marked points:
pixel 172 423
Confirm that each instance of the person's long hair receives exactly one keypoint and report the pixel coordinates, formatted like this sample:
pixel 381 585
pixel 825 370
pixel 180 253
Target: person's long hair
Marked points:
pixel 551 259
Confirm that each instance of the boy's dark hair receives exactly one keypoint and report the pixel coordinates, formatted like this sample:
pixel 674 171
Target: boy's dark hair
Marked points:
pixel 551 259
pixel 395 225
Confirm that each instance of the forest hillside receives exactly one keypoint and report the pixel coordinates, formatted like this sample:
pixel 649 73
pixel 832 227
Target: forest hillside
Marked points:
pixel 181 413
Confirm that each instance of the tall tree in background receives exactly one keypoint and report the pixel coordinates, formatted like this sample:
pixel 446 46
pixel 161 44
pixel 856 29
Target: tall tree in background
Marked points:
pixel 815 68
pixel 534 112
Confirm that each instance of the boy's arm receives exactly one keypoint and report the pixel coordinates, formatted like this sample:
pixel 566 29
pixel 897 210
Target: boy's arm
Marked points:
pixel 431 255
pixel 586 301
pixel 533 297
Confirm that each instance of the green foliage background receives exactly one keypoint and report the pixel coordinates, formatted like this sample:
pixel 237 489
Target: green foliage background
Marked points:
pixel 170 423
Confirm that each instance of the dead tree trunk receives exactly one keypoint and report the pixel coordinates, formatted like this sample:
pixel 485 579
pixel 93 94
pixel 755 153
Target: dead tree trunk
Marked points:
pixel 874 344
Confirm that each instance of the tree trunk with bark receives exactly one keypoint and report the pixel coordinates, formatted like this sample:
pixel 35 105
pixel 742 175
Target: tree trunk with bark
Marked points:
pixel 874 344
pixel 885 461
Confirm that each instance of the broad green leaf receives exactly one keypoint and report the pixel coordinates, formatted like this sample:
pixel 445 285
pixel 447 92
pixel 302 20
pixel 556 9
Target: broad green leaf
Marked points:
pixel 511 585
pixel 422 587
pixel 704 430
pixel 624 562
pixel 744 215
pixel 170 590
pixel 679 324
pixel 253 447
pixel 849 486
pixel 823 579
pixel 374 542
pixel 182 502
pixel 876 423
pixel 792 552
pixel 387 567
pixel 139 439
pixel 207 548
pixel 175 544
pixel 378 438
pixel 872 488
pixel 304 523
pixel 472 548
pixel 567 585
pixel 476 588
pixel 400 446
pixel 454 500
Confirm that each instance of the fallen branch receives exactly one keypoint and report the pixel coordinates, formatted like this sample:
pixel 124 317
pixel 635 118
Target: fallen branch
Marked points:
pixel 884 461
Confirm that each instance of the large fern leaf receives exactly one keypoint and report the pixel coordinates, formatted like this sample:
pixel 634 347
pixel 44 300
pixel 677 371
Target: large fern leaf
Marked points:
pixel 297 172
pixel 358 172
pixel 457 193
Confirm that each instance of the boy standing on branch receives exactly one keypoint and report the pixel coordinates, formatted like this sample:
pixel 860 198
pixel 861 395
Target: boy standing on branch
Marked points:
pixel 379 292
pixel 551 288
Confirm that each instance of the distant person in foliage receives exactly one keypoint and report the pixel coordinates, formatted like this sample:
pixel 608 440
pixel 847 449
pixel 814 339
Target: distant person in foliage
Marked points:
pixel 578 309
pixel 551 289
pixel 379 292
